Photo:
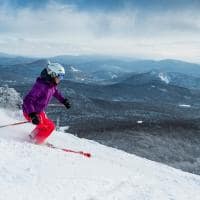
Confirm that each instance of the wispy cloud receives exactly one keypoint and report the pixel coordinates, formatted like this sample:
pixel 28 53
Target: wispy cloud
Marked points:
pixel 65 29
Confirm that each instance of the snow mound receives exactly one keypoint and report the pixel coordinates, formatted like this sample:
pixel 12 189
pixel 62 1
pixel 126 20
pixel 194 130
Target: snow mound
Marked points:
pixel 164 78
pixel 29 172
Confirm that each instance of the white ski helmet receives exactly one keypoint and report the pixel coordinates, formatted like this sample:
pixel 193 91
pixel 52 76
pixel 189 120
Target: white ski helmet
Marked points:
pixel 55 70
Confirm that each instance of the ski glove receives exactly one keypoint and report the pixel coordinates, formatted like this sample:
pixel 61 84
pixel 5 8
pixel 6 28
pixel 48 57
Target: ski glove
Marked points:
pixel 66 103
pixel 34 118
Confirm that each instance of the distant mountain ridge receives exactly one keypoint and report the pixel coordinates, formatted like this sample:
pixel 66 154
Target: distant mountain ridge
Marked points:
pixel 97 69
pixel 7 59
pixel 173 78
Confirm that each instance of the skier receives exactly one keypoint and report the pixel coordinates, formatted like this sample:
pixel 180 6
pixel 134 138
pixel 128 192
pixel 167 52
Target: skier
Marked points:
pixel 38 98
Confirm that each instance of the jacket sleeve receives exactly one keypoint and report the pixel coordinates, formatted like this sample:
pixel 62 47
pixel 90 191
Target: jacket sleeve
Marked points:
pixel 58 96
pixel 31 98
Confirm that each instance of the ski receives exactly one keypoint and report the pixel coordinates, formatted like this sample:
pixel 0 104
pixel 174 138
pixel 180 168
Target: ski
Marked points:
pixel 86 154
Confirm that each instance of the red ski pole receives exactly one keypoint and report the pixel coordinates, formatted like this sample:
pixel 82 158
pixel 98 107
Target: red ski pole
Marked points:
pixel 14 124
pixel 78 152
pixel 86 154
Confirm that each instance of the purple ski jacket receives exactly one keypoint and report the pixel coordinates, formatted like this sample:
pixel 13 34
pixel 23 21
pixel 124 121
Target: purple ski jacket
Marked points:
pixel 40 95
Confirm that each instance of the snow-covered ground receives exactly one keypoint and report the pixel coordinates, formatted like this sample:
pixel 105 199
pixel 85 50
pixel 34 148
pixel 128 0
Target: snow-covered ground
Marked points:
pixel 29 172
pixel 184 105
pixel 164 78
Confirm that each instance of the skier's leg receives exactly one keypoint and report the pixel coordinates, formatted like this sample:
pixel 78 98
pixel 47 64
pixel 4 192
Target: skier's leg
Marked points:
pixel 44 129
pixel 34 131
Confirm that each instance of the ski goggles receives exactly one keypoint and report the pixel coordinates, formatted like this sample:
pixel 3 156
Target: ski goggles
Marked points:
pixel 60 76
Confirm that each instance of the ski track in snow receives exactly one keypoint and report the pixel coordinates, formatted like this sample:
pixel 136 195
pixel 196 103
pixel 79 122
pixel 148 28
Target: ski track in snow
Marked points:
pixel 29 172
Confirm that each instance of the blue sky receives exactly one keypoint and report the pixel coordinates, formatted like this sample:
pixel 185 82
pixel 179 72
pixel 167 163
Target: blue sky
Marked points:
pixel 107 4
pixel 154 29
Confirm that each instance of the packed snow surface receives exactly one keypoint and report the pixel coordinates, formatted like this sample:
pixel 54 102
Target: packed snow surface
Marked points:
pixel 29 172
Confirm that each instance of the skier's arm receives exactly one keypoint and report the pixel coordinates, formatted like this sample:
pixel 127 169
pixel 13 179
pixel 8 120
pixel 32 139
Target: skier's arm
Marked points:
pixel 59 96
pixel 62 100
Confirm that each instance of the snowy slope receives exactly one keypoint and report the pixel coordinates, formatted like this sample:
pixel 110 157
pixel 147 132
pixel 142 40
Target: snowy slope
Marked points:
pixel 29 172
